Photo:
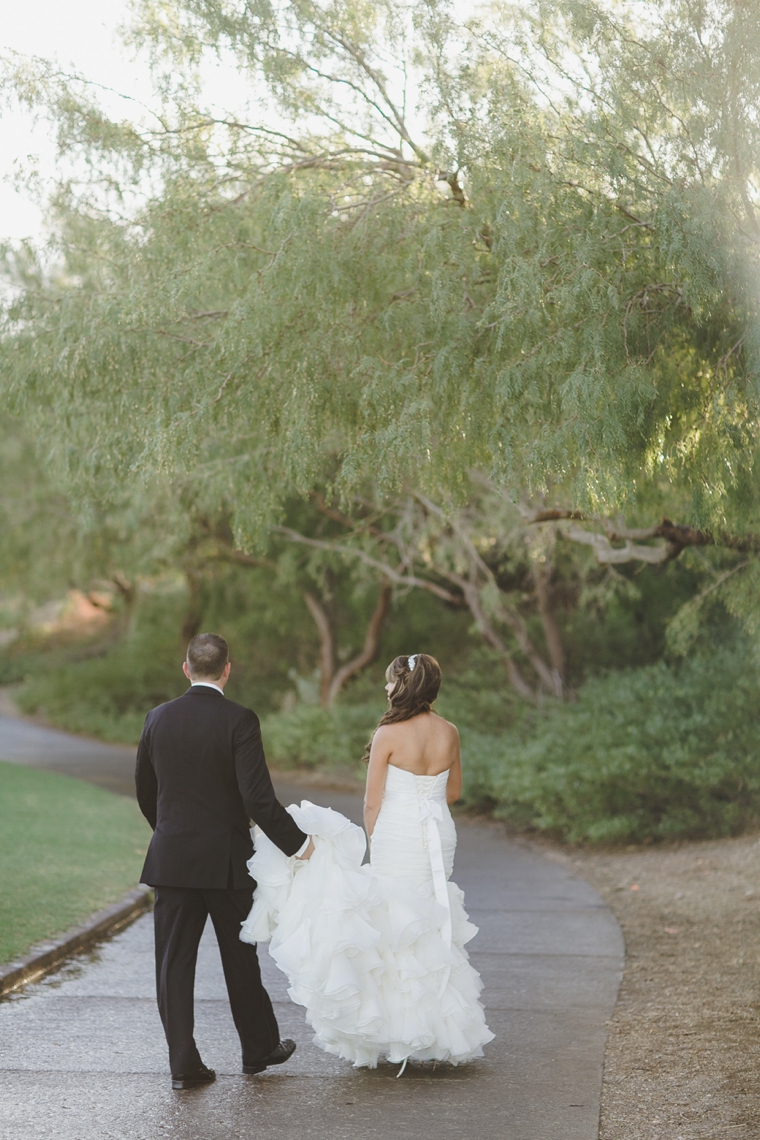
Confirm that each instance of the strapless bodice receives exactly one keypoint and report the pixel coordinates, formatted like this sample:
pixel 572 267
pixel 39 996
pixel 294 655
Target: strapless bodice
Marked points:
pixel 414 834
pixel 401 784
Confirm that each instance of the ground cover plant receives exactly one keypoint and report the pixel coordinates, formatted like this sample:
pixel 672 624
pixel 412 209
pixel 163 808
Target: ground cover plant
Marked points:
pixel 67 849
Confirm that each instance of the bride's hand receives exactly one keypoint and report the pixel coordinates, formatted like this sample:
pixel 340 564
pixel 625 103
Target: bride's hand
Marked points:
pixel 309 850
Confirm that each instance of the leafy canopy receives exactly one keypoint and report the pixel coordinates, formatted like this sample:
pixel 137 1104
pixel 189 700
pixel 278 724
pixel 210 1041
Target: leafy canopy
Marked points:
pixel 523 242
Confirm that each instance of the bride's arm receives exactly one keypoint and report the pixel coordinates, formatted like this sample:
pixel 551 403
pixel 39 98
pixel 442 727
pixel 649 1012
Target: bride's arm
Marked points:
pixel 376 773
pixel 454 785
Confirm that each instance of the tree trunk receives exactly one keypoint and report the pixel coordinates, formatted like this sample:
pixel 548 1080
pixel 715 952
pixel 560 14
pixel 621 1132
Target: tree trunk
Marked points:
pixel 371 643
pixel 516 679
pixel 541 572
pixel 326 644
pixel 125 587
pixel 194 612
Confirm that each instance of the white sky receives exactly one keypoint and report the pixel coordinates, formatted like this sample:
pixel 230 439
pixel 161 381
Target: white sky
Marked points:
pixel 80 34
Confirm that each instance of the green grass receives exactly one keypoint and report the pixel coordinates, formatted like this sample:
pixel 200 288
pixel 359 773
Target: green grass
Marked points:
pixel 67 849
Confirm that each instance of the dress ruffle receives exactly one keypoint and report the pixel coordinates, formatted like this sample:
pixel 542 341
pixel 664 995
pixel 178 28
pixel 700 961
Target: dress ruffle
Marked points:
pixel 363 952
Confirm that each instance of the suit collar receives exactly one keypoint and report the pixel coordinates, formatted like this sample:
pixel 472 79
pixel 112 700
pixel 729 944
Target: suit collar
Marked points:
pixel 204 690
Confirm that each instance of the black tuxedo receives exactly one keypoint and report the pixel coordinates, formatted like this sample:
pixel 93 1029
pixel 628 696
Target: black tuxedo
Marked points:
pixel 201 776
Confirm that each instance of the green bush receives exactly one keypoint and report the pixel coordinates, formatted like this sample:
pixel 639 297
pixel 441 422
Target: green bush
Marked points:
pixel 661 752
pixel 658 751
pixel 313 737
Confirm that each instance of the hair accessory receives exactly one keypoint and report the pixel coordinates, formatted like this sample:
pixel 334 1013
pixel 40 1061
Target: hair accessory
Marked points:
pixel 412 661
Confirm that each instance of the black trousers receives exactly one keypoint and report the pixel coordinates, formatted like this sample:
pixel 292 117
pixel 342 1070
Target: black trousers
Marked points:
pixel 180 915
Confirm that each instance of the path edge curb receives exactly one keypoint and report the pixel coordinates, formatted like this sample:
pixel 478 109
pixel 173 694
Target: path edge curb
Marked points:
pixel 48 956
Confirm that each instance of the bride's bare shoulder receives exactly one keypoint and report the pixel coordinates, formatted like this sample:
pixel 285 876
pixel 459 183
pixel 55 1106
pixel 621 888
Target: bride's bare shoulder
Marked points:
pixel 450 727
pixel 430 722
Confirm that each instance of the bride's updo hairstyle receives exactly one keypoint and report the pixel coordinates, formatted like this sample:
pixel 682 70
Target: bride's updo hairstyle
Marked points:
pixel 416 680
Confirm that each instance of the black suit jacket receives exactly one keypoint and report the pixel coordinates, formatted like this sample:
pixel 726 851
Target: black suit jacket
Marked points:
pixel 201 776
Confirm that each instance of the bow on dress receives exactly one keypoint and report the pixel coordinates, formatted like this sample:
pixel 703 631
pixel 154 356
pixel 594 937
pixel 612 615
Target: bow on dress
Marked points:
pixel 431 813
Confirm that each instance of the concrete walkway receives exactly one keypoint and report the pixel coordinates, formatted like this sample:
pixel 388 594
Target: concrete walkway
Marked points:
pixel 110 766
pixel 82 1054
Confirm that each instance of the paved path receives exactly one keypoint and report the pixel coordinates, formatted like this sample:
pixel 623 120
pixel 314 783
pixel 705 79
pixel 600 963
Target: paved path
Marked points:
pixel 82 1054
pixel 111 766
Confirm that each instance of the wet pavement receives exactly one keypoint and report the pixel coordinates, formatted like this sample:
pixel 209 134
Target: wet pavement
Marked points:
pixel 110 766
pixel 82 1054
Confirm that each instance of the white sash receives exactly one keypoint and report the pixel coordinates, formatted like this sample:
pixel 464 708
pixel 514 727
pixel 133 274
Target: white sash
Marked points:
pixel 431 813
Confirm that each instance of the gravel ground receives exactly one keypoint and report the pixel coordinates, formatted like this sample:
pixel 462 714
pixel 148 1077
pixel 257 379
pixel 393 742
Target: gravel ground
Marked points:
pixel 683 1057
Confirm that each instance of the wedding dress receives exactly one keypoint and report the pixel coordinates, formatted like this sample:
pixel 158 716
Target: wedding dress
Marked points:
pixel 375 953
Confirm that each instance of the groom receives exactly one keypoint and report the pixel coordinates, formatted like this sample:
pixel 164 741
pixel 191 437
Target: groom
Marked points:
pixel 201 776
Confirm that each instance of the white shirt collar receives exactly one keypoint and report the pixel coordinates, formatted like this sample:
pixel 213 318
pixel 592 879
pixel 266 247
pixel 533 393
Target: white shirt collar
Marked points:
pixel 206 685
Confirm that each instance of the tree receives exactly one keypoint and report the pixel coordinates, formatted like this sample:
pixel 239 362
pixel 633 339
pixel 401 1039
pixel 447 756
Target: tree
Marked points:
pixel 521 245
pixel 480 557
pixel 333 676
pixel 334 594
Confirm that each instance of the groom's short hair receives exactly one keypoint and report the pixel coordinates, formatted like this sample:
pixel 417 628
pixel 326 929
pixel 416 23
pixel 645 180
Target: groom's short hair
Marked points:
pixel 207 656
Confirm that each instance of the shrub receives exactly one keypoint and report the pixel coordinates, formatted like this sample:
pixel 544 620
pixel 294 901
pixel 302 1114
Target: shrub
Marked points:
pixel 661 752
pixel 656 752
pixel 313 737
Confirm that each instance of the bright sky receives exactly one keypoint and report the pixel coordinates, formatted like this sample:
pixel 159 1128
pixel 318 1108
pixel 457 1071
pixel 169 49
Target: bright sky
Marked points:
pixel 80 34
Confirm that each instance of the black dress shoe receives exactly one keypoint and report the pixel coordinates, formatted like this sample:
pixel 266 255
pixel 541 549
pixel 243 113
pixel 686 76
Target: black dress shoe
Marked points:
pixel 284 1050
pixel 202 1076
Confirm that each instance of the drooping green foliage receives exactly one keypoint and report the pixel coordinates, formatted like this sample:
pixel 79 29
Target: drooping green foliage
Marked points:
pixel 34 522
pixel 541 264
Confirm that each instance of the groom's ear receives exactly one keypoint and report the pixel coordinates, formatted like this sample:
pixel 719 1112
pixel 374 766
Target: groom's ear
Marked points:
pixel 186 671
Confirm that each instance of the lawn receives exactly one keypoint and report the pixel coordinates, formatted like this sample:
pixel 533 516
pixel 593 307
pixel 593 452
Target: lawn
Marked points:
pixel 66 850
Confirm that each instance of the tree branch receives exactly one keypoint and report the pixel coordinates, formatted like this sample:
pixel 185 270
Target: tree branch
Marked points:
pixel 516 679
pixel 552 633
pixel 677 537
pixel 326 644
pixel 504 611
pixel 384 568
pixel 371 644
pixel 608 555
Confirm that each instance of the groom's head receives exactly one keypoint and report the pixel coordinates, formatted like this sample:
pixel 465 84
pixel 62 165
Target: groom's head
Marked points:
pixel 208 655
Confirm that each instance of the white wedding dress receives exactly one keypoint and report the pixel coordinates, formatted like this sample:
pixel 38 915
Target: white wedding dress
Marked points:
pixel 375 953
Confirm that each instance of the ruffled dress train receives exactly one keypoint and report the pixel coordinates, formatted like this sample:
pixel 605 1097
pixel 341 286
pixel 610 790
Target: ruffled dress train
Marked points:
pixel 375 953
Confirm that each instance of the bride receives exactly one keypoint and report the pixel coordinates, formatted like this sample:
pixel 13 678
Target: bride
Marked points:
pixel 375 953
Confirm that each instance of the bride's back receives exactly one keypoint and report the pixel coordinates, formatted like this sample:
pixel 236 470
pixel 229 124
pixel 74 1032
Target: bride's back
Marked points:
pixel 425 745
